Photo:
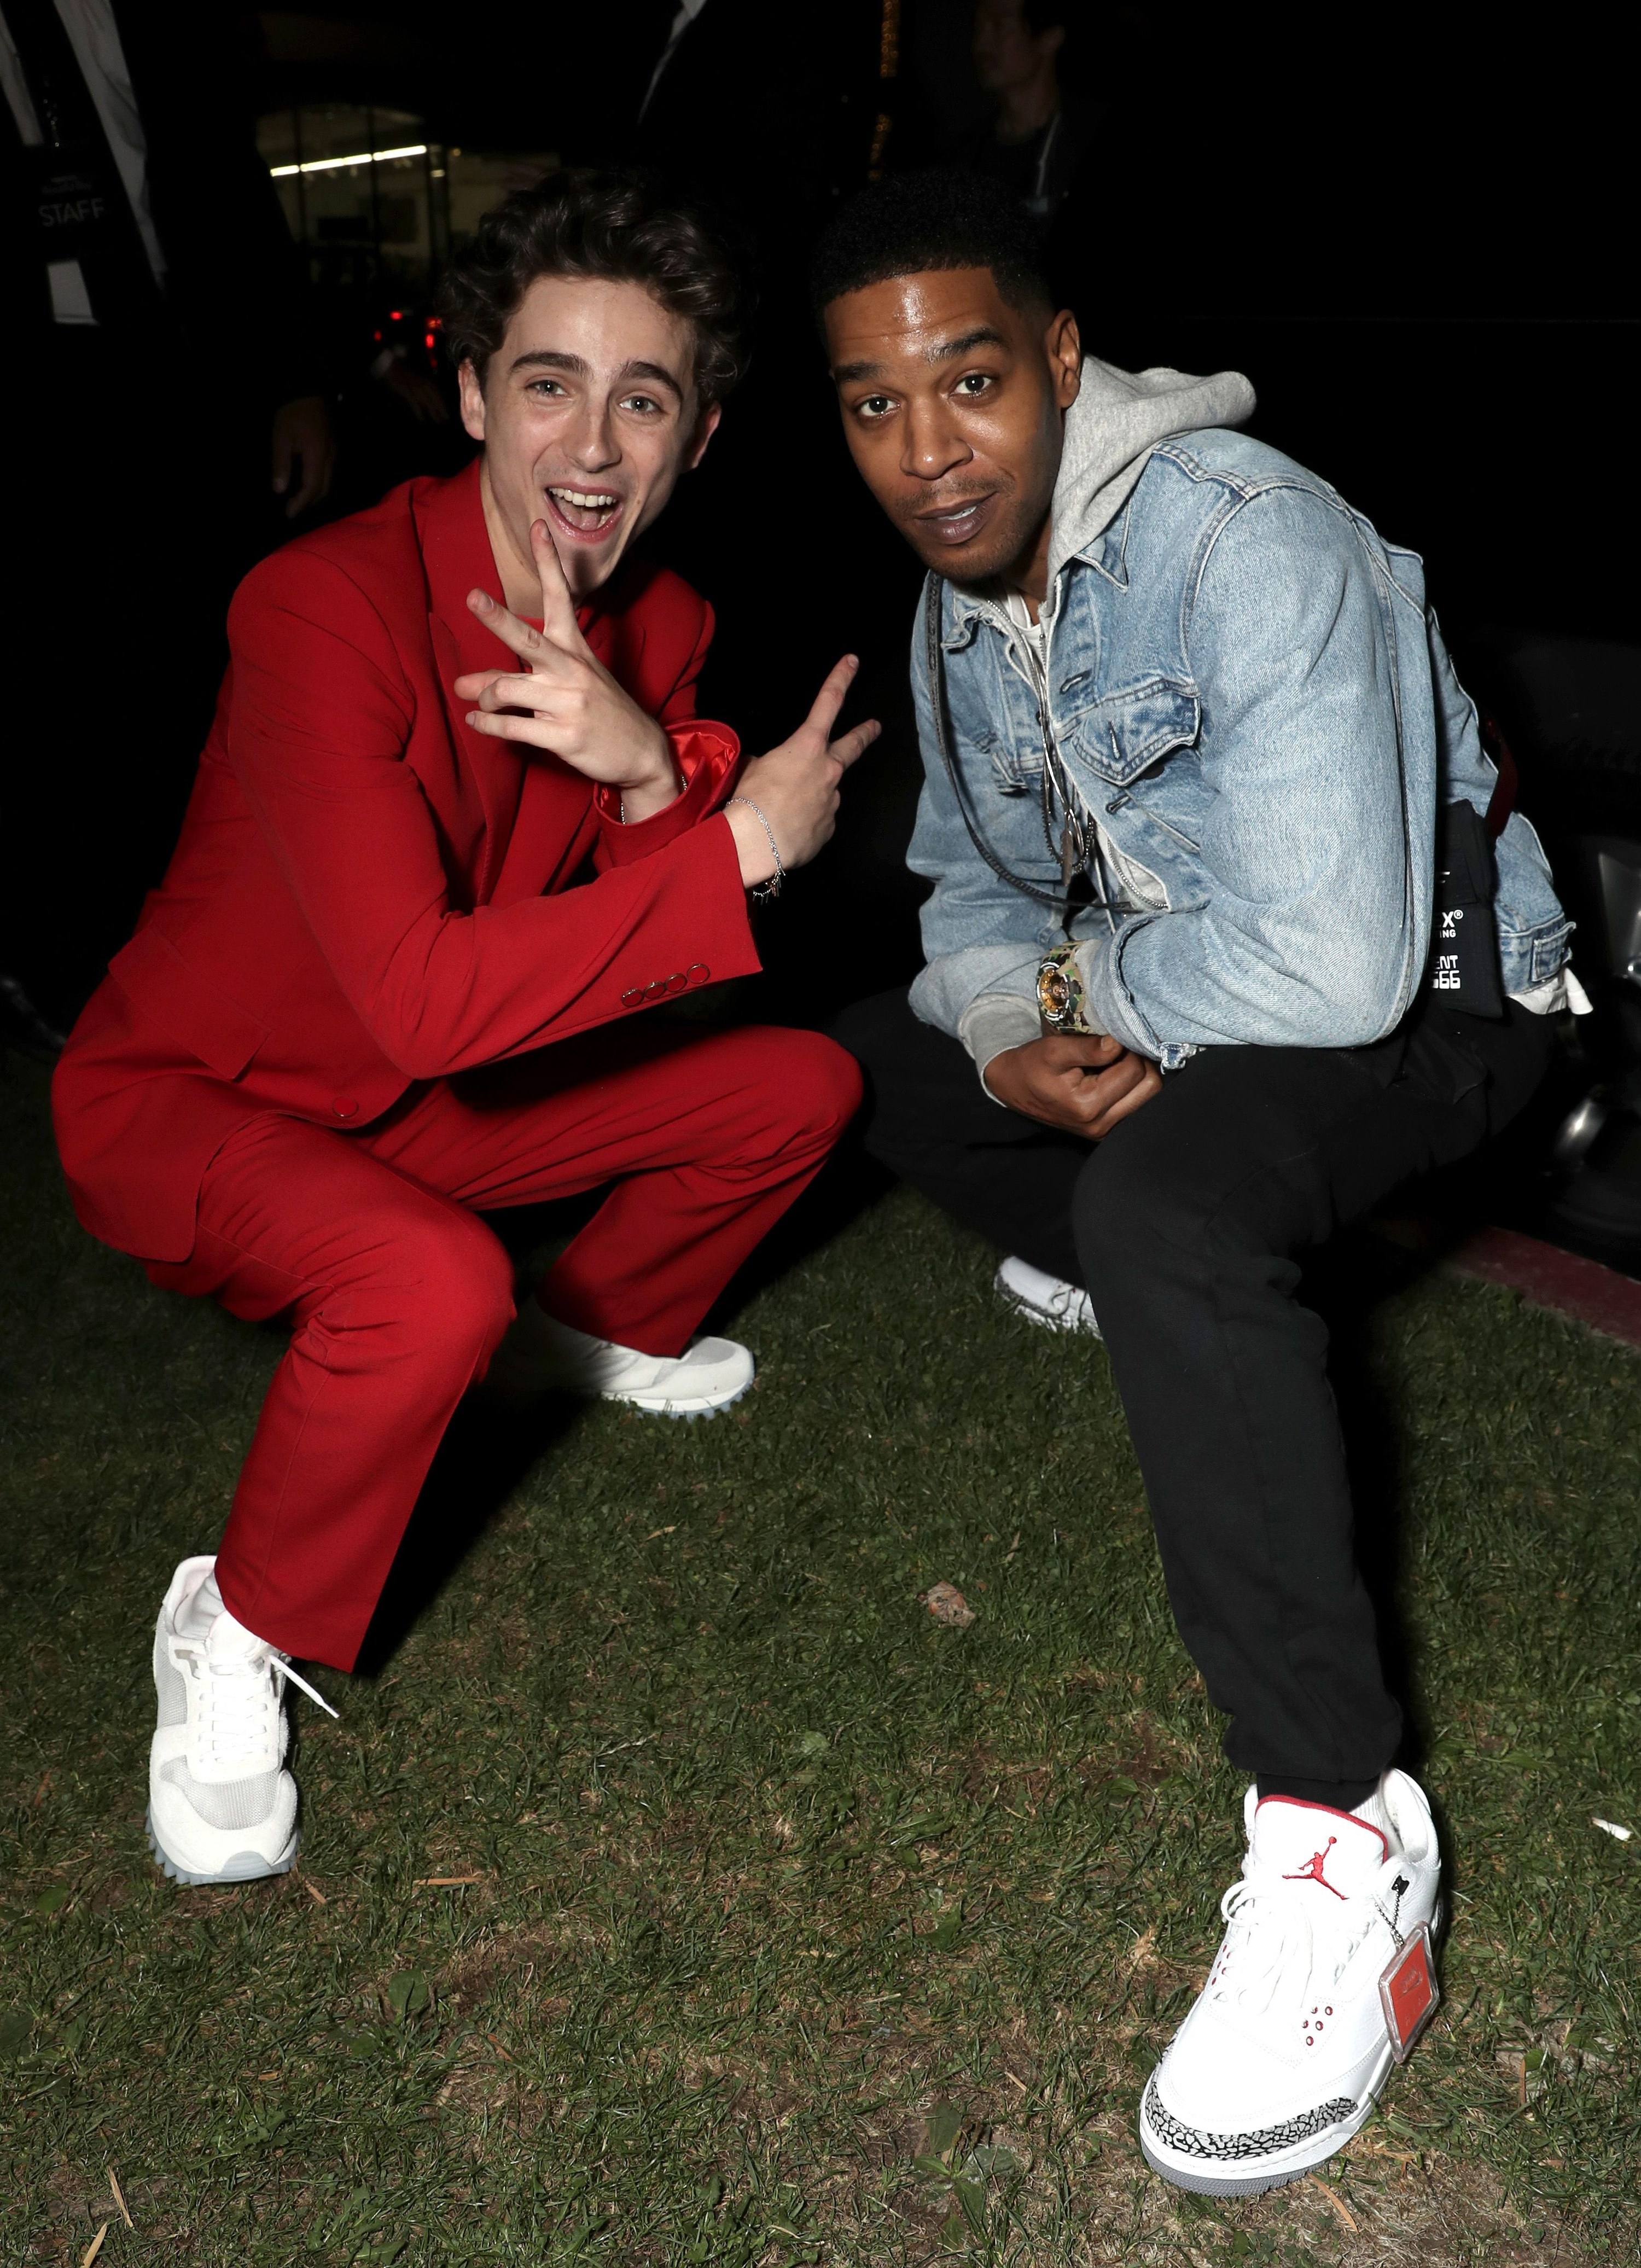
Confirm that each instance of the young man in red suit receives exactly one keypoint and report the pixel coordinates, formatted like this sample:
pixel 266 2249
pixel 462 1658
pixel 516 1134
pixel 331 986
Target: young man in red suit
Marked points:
pixel 396 973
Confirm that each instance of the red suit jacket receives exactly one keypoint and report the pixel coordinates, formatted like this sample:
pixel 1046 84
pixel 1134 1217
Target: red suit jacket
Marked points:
pixel 366 893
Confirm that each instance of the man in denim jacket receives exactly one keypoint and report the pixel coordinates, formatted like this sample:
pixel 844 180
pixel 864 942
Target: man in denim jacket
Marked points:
pixel 1187 730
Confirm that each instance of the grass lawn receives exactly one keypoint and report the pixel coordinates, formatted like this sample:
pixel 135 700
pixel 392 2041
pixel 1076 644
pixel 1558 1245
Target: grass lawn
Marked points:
pixel 678 1891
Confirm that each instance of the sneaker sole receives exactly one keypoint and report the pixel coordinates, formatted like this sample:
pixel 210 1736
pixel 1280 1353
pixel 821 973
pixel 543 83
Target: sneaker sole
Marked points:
pixel 703 1406
pixel 243 1867
pixel 1293 2166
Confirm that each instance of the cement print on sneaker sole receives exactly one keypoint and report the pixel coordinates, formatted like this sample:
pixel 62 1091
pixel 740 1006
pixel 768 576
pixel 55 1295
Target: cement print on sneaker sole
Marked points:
pixel 1265 2143
pixel 1339 2118
pixel 1327 2123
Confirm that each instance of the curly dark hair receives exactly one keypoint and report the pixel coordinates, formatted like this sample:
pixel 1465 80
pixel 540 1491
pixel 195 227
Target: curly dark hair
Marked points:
pixel 936 218
pixel 613 223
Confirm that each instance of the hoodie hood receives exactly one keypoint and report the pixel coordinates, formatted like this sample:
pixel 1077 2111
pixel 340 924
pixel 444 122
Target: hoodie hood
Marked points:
pixel 1117 419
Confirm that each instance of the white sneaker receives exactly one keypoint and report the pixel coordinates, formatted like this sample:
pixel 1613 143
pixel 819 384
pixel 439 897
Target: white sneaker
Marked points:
pixel 540 1355
pixel 1324 1977
pixel 1046 1299
pixel 221 1805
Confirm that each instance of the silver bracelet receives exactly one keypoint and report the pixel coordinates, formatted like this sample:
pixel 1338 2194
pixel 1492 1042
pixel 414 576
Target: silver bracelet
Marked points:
pixel 772 887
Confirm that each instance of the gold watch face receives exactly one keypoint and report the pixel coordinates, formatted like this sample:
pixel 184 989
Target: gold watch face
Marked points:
pixel 1055 992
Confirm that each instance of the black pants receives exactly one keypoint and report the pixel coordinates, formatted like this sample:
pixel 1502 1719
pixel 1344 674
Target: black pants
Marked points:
pixel 1186 1224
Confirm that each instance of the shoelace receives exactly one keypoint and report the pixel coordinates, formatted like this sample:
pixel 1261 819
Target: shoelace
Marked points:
pixel 1269 1924
pixel 237 1700
pixel 277 1662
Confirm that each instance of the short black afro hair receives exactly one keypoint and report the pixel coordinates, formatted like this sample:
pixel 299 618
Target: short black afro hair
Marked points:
pixel 936 219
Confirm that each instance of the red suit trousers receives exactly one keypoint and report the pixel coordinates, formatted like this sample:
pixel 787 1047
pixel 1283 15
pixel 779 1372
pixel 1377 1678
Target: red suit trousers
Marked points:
pixel 399 1294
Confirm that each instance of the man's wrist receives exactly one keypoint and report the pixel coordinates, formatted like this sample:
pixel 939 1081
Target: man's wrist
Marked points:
pixel 995 1062
pixel 993 1024
pixel 660 785
pixel 754 843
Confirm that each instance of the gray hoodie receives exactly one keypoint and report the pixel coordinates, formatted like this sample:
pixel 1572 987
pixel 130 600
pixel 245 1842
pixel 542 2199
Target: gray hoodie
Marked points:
pixel 1117 419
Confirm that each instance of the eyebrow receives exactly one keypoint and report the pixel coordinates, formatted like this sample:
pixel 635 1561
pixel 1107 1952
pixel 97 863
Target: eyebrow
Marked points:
pixel 655 370
pixel 547 358
pixel 983 334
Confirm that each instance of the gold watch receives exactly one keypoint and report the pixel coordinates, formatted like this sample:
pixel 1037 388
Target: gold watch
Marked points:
pixel 1060 1001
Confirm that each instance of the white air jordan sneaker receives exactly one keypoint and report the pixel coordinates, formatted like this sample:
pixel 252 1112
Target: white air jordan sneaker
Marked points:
pixel 540 1355
pixel 1325 1977
pixel 221 1805
pixel 1046 1299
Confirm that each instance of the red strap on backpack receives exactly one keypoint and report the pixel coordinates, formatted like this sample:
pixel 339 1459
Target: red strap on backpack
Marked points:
pixel 1503 801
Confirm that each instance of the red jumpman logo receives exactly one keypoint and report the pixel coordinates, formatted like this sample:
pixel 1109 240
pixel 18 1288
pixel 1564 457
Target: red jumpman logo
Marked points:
pixel 1312 1871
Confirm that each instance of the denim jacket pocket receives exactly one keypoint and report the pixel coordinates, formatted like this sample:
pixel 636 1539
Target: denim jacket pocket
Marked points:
pixel 1531 955
pixel 1123 734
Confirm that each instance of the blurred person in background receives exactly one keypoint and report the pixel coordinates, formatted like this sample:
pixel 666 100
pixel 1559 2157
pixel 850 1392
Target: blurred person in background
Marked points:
pixel 800 106
pixel 165 421
pixel 1034 141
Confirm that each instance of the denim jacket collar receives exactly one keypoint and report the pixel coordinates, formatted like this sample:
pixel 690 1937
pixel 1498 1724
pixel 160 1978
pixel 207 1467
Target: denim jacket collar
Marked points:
pixel 1118 418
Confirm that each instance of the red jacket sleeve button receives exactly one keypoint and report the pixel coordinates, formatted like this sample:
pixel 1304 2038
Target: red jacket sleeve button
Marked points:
pixel 633 998
pixel 345 1107
pixel 698 973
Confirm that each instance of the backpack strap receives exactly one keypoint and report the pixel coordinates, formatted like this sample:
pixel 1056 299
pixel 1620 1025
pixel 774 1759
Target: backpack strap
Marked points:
pixel 1503 797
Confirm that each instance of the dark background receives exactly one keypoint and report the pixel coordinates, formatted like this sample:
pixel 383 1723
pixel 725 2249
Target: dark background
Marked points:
pixel 1416 237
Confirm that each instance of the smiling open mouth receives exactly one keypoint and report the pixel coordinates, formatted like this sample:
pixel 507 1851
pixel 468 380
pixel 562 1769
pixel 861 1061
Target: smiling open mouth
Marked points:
pixel 585 511
pixel 955 523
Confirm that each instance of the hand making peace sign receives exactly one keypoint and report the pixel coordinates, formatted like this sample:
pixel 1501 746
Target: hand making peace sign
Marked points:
pixel 795 788
pixel 566 702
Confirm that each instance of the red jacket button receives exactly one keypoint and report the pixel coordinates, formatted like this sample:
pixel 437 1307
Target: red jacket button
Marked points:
pixel 653 992
pixel 345 1107
pixel 634 999
pixel 698 973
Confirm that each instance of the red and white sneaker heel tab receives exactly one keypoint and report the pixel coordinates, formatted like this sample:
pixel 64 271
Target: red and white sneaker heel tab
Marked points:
pixel 1333 1849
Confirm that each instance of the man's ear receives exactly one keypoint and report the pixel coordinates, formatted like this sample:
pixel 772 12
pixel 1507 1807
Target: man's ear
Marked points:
pixel 472 401
pixel 710 418
pixel 1064 345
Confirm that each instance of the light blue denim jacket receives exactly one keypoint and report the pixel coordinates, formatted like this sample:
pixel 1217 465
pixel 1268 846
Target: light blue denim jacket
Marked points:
pixel 1251 699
